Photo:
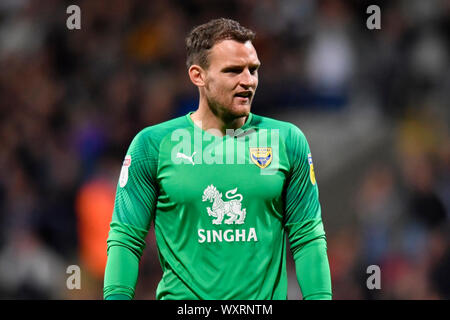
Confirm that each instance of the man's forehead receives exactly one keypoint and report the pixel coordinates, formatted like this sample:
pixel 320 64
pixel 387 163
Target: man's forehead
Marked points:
pixel 233 52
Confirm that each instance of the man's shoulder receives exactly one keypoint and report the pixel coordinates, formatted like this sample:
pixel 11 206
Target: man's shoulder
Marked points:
pixel 148 140
pixel 286 129
pixel 158 131
pixel 166 126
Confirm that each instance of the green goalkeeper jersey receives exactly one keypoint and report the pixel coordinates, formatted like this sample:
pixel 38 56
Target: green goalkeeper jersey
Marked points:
pixel 221 209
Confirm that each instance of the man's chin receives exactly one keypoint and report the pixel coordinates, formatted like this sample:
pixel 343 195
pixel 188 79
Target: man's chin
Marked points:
pixel 242 110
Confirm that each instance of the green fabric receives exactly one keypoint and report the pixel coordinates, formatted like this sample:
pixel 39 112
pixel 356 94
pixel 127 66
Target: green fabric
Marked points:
pixel 121 272
pixel 131 237
pixel 220 219
pixel 118 297
pixel 313 271
pixel 303 232
pixel 125 245
pixel 308 247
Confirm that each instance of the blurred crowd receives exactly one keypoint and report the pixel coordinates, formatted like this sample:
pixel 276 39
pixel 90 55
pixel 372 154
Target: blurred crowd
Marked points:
pixel 72 100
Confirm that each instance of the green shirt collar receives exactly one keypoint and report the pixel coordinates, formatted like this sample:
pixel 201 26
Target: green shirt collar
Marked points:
pixel 247 125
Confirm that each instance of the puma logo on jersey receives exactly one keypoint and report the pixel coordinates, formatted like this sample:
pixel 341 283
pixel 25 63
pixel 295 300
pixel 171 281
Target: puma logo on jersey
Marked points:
pixel 183 156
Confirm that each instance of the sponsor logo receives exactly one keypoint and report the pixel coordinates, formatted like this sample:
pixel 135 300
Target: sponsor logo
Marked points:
pixel 229 235
pixel 228 212
pixel 221 209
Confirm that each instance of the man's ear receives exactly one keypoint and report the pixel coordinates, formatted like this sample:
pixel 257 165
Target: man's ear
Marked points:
pixel 197 75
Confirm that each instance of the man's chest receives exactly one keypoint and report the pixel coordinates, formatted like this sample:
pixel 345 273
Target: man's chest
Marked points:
pixel 233 169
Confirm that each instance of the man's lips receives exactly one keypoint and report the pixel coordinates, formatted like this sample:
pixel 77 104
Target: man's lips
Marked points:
pixel 243 99
pixel 244 94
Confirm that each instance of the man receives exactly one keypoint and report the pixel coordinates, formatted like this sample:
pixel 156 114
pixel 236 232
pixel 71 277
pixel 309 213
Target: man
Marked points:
pixel 223 187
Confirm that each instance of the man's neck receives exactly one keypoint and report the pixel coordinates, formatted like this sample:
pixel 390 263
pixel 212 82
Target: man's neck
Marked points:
pixel 207 120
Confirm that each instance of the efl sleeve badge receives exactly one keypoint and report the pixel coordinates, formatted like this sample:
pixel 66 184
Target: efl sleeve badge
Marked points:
pixel 123 179
pixel 312 176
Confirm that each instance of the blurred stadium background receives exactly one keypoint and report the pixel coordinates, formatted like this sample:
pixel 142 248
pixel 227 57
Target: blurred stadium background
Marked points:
pixel 374 105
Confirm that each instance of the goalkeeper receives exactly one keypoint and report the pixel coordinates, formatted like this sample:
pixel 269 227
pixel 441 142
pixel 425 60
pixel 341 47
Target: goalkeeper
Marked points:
pixel 223 187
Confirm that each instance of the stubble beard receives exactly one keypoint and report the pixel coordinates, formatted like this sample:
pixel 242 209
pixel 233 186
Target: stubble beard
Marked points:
pixel 228 114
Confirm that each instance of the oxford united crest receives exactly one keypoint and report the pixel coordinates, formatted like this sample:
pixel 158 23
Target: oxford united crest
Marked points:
pixel 262 157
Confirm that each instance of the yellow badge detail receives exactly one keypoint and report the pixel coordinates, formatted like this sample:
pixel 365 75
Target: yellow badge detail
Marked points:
pixel 262 157
pixel 312 176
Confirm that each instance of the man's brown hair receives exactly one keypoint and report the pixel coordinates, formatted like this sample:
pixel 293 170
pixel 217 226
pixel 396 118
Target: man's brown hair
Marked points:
pixel 203 37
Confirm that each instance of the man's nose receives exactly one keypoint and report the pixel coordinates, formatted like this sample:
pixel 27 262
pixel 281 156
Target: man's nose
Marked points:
pixel 248 80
